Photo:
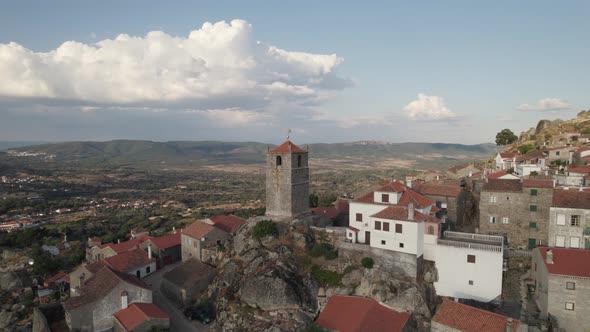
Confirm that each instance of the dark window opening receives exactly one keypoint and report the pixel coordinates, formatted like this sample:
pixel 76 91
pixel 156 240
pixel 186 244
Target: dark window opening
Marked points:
pixel 384 198
pixel 470 258
pixel 279 160
pixel 359 217
pixel 378 225
pixel 401 245
pixel 299 162
pixel 386 226
pixel 398 228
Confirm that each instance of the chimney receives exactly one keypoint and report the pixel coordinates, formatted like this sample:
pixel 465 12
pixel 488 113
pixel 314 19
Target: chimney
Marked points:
pixel 173 230
pixel 470 173
pixel 554 183
pixel 150 251
pixel 409 183
pixel 549 258
pixel 118 240
pixel 510 325
pixel 411 211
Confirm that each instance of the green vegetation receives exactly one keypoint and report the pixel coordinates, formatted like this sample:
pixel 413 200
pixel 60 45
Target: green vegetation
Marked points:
pixel 265 228
pixel 323 249
pixel 367 262
pixel 326 277
pixel 524 149
pixel 505 137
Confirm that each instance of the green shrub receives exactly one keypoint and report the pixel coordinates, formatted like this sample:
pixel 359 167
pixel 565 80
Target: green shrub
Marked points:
pixel 326 277
pixel 367 262
pixel 265 228
pixel 323 249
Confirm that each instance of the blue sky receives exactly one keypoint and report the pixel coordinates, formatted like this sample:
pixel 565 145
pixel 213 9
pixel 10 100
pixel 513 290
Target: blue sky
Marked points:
pixel 432 71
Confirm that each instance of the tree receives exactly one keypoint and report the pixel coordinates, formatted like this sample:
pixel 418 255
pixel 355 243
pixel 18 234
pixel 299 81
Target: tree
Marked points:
pixel 524 149
pixel 505 137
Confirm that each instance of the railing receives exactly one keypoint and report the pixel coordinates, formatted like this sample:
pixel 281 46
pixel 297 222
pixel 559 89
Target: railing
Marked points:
pixel 469 245
pixel 473 237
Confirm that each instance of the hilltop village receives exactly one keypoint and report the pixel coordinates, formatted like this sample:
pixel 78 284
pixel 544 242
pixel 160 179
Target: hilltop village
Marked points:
pixel 499 245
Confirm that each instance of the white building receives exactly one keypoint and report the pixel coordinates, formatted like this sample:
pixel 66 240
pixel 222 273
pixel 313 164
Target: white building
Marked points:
pixel 469 266
pixel 527 169
pixel 505 160
pixel 569 219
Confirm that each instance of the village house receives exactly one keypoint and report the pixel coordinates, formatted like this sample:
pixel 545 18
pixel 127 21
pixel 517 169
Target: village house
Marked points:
pixel 187 280
pixel 165 249
pixel 140 317
pixel 462 171
pixel 449 198
pixel 569 222
pixel 563 153
pixel 454 317
pixel 352 314
pixel 200 240
pixel 505 160
pixel 530 163
pixel 501 175
pixel 517 210
pixel 581 156
pixel 584 138
pixel 430 175
pixel 106 250
pixel 576 176
pixel 227 223
pixel 59 283
pixel 107 292
pixel 562 286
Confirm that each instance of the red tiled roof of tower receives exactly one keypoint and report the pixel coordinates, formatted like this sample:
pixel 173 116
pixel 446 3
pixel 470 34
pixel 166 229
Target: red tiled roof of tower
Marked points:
pixel 537 183
pixel 571 199
pixel 167 241
pixel 128 261
pixel 466 318
pixel 228 223
pixel 357 314
pixel 137 313
pixel 287 147
pixel 567 261
pixel 198 230
pixel 396 212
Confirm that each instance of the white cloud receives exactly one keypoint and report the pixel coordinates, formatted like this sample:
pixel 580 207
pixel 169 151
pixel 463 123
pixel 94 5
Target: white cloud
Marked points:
pixel 234 117
pixel 219 66
pixel 547 104
pixel 428 108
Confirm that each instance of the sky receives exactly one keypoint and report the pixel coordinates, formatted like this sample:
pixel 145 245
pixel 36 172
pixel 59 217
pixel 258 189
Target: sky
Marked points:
pixel 331 71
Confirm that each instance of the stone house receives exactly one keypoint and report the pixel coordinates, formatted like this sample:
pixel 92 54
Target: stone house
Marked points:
pixel 106 250
pixel 462 171
pixel 188 279
pixel 455 317
pixel 569 222
pixel 563 153
pixel 165 249
pixel 107 292
pixel 449 198
pixel 227 223
pixel 201 241
pixel 562 286
pixel 352 313
pixel 581 156
pixel 517 210
pixel 140 317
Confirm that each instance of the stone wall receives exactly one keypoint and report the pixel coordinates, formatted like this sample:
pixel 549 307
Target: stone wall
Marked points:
pixel 287 185
pixel 405 264
pixel 577 320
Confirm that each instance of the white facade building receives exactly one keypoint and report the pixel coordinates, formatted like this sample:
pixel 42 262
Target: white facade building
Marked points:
pixel 569 219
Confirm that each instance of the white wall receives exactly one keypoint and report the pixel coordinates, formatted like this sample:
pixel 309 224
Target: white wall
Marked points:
pixel 430 247
pixel 412 236
pixel 366 210
pixel 454 273
pixel 152 266
pixel 525 170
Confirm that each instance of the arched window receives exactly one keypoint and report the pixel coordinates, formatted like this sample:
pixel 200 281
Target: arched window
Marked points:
pixel 124 299
pixel 431 230
pixel 279 160
pixel 299 162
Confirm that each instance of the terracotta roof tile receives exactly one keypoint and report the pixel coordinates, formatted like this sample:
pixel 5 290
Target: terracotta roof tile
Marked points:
pixel 396 212
pixel 137 313
pixel 330 212
pixel 507 155
pixel 198 230
pixel 287 147
pixel 579 169
pixel 61 275
pixel 568 262
pixel 469 319
pixel 358 314
pixel 502 185
pixel 572 199
pixel 127 245
pixel 167 241
pixel 537 183
pixel 228 223
pixel 434 189
pixel 408 196
pixel 128 261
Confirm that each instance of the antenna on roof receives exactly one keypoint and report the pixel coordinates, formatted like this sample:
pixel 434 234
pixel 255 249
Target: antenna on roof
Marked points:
pixel 288 133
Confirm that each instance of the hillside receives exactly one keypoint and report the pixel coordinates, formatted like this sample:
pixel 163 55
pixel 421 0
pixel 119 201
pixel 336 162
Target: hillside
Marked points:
pixel 203 153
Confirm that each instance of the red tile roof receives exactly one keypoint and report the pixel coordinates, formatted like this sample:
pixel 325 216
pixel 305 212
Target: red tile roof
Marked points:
pixel 502 185
pixel 396 212
pixel 408 196
pixel 330 212
pixel 353 229
pixel 537 183
pixel 567 262
pixel 128 261
pixel 287 147
pixel 571 199
pixel 469 319
pixel 507 155
pixel 167 241
pixel 198 230
pixel 137 313
pixel 127 245
pixel 357 314
pixel 579 169
pixel 497 175
pixel 61 275
pixel 228 223
pixel 434 189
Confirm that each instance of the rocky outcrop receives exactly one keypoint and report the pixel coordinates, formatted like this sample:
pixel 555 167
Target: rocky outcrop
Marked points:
pixel 9 281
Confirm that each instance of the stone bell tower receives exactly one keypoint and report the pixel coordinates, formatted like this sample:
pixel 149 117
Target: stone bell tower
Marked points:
pixel 287 182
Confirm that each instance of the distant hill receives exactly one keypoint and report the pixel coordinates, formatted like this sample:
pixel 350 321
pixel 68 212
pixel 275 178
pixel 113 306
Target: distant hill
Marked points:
pixel 121 152
pixel 10 145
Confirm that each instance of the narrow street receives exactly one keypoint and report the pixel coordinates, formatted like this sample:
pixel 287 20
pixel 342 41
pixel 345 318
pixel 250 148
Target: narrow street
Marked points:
pixel 178 322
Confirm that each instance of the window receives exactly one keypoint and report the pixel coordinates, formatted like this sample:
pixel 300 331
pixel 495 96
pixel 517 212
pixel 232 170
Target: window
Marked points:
pixel 575 220
pixel 535 267
pixel 299 163
pixel 401 245
pixel 533 192
pixel 492 199
pixel 570 285
pixel 533 224
pixel 561 219
pixel 383 242
pixel 471 282
pixel 504 220
pixel 574 242
pixel 492 219
pixel 398 228
pixel 431 230
pixel 386 226
pixel 279 160
pixel 359 217
pixel 378 225
pixel 569 306
pixel 385 198
pixel 470 258
pixel 560 241
pixel 557 153
pixel 147 269
pixel 533 208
